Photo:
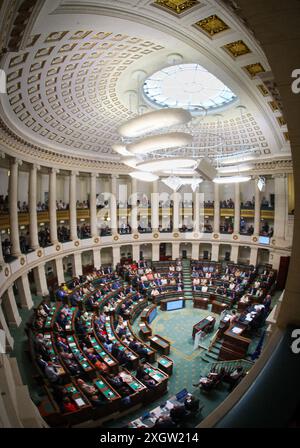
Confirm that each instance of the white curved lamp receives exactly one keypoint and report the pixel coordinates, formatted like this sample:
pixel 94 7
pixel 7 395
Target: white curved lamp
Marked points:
pixel 157 142
pixel 153 121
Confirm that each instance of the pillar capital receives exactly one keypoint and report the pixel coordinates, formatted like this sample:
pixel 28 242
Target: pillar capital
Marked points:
pixel 54 170
pixel 16 161
pixel 74 173
pixel 35 166
pixel 94 175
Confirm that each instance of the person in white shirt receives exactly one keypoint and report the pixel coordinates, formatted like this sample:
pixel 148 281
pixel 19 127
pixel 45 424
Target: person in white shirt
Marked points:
pixel 154 292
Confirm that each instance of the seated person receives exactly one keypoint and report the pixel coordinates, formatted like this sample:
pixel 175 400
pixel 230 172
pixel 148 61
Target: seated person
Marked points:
pixel 178 412
pixel 86 388
pixel 68 405
pixel 191 403
pixel 164 421
pixel 149 382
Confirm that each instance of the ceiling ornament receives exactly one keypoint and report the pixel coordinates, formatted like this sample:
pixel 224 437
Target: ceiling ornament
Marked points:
pixel 212 25
pixel 176 6
pixel 237 48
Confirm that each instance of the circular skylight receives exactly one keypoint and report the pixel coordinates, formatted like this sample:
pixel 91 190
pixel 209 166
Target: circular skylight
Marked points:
pixel 188 86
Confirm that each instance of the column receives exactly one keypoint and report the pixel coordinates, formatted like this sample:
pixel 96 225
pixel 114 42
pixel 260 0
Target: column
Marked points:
pixel 93 206
pixel 1 252
pixel 76 265
pixel 257 203
pixel 155 252
pixel 155 207
pixel 8 337
pixel 59 268
pixel 216 208
pixel 136 252
pixel 116 255
pixel 10 307
pixel 113 205
pixel 281 196
pixel 52 205
pixel 237 208
pixel 176 210
pixel 195 251
pixel 175 250
pixel 253 256
pixel 97 258
pixel 234 255
pixel 215 252
pixel 24 292
pixel 40 281
pixel 13 207
pixel 33 224
pixel 72 206
pixel 196 217
pixel 134 207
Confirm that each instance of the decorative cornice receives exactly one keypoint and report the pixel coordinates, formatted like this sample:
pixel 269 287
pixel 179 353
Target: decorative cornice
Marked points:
pixel 14 146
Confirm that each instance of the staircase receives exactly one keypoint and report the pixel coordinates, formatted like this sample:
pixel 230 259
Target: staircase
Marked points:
pixel 187 280
pixel 213 354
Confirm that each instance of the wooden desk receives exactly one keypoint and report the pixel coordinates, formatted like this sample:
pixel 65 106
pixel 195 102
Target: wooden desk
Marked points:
pixel 160 344
pixel 218 307
pixel 224 324
pixel 235 345
pixel 145 331
pixel 164 302
pixel 207 325
pixel 146 313
pixel 107 391
pixel 85 364
pixel 159 377
pixel 201 302
pixel 150 352
pixel 165 364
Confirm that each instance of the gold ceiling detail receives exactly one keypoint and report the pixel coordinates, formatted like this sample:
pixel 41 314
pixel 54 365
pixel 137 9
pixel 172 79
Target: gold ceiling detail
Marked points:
pixel 177 6
pixel 212 25
pixel 281 121
pixel 263 90
pixel 254 69
pixel 237 48
pixel 273 105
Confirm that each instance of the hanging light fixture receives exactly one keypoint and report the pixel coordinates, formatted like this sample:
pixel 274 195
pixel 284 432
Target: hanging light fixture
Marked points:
pixel 231 179
pixel 165 163
pixel 153 121
pixel 173 182
pixel 144 176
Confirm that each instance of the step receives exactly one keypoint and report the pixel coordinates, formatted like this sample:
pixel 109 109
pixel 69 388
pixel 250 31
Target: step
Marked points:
pixel 210 357
pixel 215 350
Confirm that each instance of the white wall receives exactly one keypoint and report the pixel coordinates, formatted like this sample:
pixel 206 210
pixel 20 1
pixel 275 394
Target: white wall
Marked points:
pixel 106 255
pixel 147 251
pixel 203 247
pixel 23 183
pixel 247 190
pixel 263 256
pixel 42 186
pixel 226 191
pixel 87 258
pixel 244 254
pixel 207 188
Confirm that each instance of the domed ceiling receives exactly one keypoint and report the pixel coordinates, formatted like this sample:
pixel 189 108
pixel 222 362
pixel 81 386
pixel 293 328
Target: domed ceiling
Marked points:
pixel 81 72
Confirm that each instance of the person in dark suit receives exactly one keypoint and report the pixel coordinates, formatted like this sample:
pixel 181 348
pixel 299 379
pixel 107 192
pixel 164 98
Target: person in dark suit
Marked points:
pixel 164 421
pixel 177 413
